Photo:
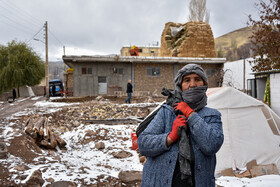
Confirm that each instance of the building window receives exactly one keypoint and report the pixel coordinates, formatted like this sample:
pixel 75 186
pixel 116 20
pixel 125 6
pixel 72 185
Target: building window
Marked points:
pixel 86 71
pixel 118 70
pixel 115 70
pixel 89 70
pixel 210 72
pixel 101 79
pixel 153 71
pixel 140 50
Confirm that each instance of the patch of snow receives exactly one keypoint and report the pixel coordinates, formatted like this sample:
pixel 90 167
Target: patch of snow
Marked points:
pixel 266 180
pixel 83 160
pixel 18 101
pixel 141 104
pixel 9 132
pixel 53 104
pixel 36 98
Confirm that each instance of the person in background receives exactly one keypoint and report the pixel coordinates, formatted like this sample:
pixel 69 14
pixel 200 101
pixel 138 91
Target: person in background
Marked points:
pixel 45 91
pixel 182 140
pixel 129 91
pixel 14 94
pixel 53 90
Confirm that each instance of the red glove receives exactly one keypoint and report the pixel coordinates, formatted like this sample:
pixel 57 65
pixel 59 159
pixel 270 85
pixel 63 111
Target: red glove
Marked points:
pixel 179 121
pixel 184 108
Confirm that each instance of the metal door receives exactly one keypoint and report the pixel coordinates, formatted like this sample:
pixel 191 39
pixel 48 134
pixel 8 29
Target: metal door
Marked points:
pixel 102 85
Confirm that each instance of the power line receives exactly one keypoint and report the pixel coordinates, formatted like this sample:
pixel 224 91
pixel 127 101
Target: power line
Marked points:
pixel 18 16
pixel 35 34
pixel 16 27
pixel 22 12
pixel 16 22
pixel 55 37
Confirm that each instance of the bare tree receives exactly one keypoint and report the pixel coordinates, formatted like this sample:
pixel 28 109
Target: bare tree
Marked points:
pixel 198 11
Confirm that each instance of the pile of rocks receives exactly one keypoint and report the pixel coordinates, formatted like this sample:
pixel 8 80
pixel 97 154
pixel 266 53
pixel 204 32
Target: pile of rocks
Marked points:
pixel 70 117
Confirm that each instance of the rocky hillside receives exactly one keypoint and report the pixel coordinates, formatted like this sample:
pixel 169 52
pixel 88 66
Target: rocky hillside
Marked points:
pixel 234 45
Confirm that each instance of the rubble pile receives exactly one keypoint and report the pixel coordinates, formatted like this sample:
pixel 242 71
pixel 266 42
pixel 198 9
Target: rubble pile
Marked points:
pixel 70 117
pixel 191 39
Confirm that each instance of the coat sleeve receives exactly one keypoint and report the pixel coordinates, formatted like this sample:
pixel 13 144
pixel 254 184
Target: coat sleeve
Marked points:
pixel 207 132
pixel 152 141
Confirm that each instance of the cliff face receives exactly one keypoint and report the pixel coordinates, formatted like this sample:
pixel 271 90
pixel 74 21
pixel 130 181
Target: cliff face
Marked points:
pixel 192 39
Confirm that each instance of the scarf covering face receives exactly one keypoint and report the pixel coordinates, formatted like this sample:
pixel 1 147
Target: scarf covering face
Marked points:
pixel 195 97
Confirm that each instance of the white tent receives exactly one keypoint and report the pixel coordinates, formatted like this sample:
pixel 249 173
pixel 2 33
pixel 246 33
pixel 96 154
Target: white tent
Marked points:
pixel 251 129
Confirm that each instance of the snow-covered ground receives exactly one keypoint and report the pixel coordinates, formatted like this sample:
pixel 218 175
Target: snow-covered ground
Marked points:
pixel 93 162
pixel 262 181
pixel 86 157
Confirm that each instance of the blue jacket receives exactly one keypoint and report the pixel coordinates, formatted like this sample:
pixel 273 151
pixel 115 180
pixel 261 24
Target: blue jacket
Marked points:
pixel 206 136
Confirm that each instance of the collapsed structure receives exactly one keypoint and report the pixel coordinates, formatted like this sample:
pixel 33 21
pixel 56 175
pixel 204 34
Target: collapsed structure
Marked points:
pixel 191 39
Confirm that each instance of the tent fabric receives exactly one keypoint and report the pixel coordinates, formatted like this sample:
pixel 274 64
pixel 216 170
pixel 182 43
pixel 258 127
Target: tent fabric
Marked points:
pixel 251 129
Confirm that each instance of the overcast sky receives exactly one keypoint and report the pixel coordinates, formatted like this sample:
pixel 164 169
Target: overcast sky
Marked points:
pixel 102 27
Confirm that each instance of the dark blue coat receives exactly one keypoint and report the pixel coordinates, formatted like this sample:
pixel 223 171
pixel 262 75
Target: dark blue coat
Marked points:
pixel 206 136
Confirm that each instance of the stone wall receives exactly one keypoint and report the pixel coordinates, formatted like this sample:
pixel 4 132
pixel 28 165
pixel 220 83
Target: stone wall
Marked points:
pixel 192 39
pixel 153 84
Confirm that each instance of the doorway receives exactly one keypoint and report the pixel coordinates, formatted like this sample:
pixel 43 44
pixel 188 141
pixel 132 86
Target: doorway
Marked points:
pixel 102 85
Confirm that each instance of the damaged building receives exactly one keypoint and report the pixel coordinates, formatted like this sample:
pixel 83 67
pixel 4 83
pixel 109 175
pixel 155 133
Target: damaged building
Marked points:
pixel 150 68
pixel 108 75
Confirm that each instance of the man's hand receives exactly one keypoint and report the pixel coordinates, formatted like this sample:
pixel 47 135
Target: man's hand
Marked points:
pixel 179 121
pixel 184 108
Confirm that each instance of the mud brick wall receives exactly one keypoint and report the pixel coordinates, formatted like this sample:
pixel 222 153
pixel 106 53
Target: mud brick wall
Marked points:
pixel 153 84
pixel 192 39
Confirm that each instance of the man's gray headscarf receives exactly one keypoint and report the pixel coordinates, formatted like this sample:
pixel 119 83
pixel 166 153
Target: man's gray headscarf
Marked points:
pixel 195 97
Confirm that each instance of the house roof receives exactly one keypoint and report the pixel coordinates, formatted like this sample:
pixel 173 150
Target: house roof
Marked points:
pixel 70 60
pixel 142 46
pixel 267 72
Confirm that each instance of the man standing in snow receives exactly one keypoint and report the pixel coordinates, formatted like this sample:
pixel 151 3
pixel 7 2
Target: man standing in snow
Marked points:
pixel 129 91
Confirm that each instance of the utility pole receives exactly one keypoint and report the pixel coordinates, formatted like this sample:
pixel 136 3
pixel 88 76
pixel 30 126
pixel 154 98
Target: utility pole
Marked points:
pixel 244 75
pixel 47 61
pixel 64 55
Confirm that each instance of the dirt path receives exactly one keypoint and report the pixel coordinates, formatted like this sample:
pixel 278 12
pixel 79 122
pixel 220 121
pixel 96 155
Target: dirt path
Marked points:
pixel 8 109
